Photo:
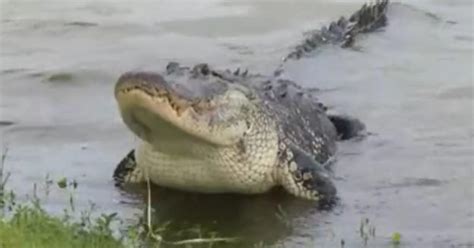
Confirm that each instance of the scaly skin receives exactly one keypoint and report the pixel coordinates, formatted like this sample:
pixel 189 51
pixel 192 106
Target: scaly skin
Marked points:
pixel 216 131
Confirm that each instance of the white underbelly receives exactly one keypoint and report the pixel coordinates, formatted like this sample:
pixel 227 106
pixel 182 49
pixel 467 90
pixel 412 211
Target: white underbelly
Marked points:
pixel 217 174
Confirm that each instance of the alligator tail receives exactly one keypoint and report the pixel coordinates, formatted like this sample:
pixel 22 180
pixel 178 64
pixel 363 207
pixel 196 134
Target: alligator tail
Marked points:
pixel 368 18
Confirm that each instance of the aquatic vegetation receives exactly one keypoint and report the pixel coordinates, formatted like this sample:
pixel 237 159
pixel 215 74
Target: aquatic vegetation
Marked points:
pixel 366 230
pixel 29 225
pixel 396 238
pixel 61 77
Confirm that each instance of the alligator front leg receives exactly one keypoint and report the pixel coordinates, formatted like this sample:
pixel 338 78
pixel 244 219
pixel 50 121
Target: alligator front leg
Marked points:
pixel 303 176
pixel 127 171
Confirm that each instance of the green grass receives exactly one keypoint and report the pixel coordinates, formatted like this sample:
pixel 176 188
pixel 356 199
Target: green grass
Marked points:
pixel 30 226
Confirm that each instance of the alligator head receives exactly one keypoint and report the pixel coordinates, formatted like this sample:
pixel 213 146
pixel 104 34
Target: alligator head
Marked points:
pixel 196 105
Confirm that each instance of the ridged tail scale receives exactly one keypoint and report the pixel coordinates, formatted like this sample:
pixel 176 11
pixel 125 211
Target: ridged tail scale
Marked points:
pixel 367 19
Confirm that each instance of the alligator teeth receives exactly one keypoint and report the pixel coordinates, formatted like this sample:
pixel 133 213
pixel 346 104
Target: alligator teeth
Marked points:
pixel 178 104
pixel 180 110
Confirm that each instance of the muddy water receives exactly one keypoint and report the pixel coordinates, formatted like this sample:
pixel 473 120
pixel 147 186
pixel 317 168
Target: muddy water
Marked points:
pixel 411 84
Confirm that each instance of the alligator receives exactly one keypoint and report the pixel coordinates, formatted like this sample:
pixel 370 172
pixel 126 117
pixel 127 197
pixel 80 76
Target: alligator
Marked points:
pixel 221 131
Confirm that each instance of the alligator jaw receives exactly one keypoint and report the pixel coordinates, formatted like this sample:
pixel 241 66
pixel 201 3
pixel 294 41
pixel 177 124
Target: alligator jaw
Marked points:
pixel 153 110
